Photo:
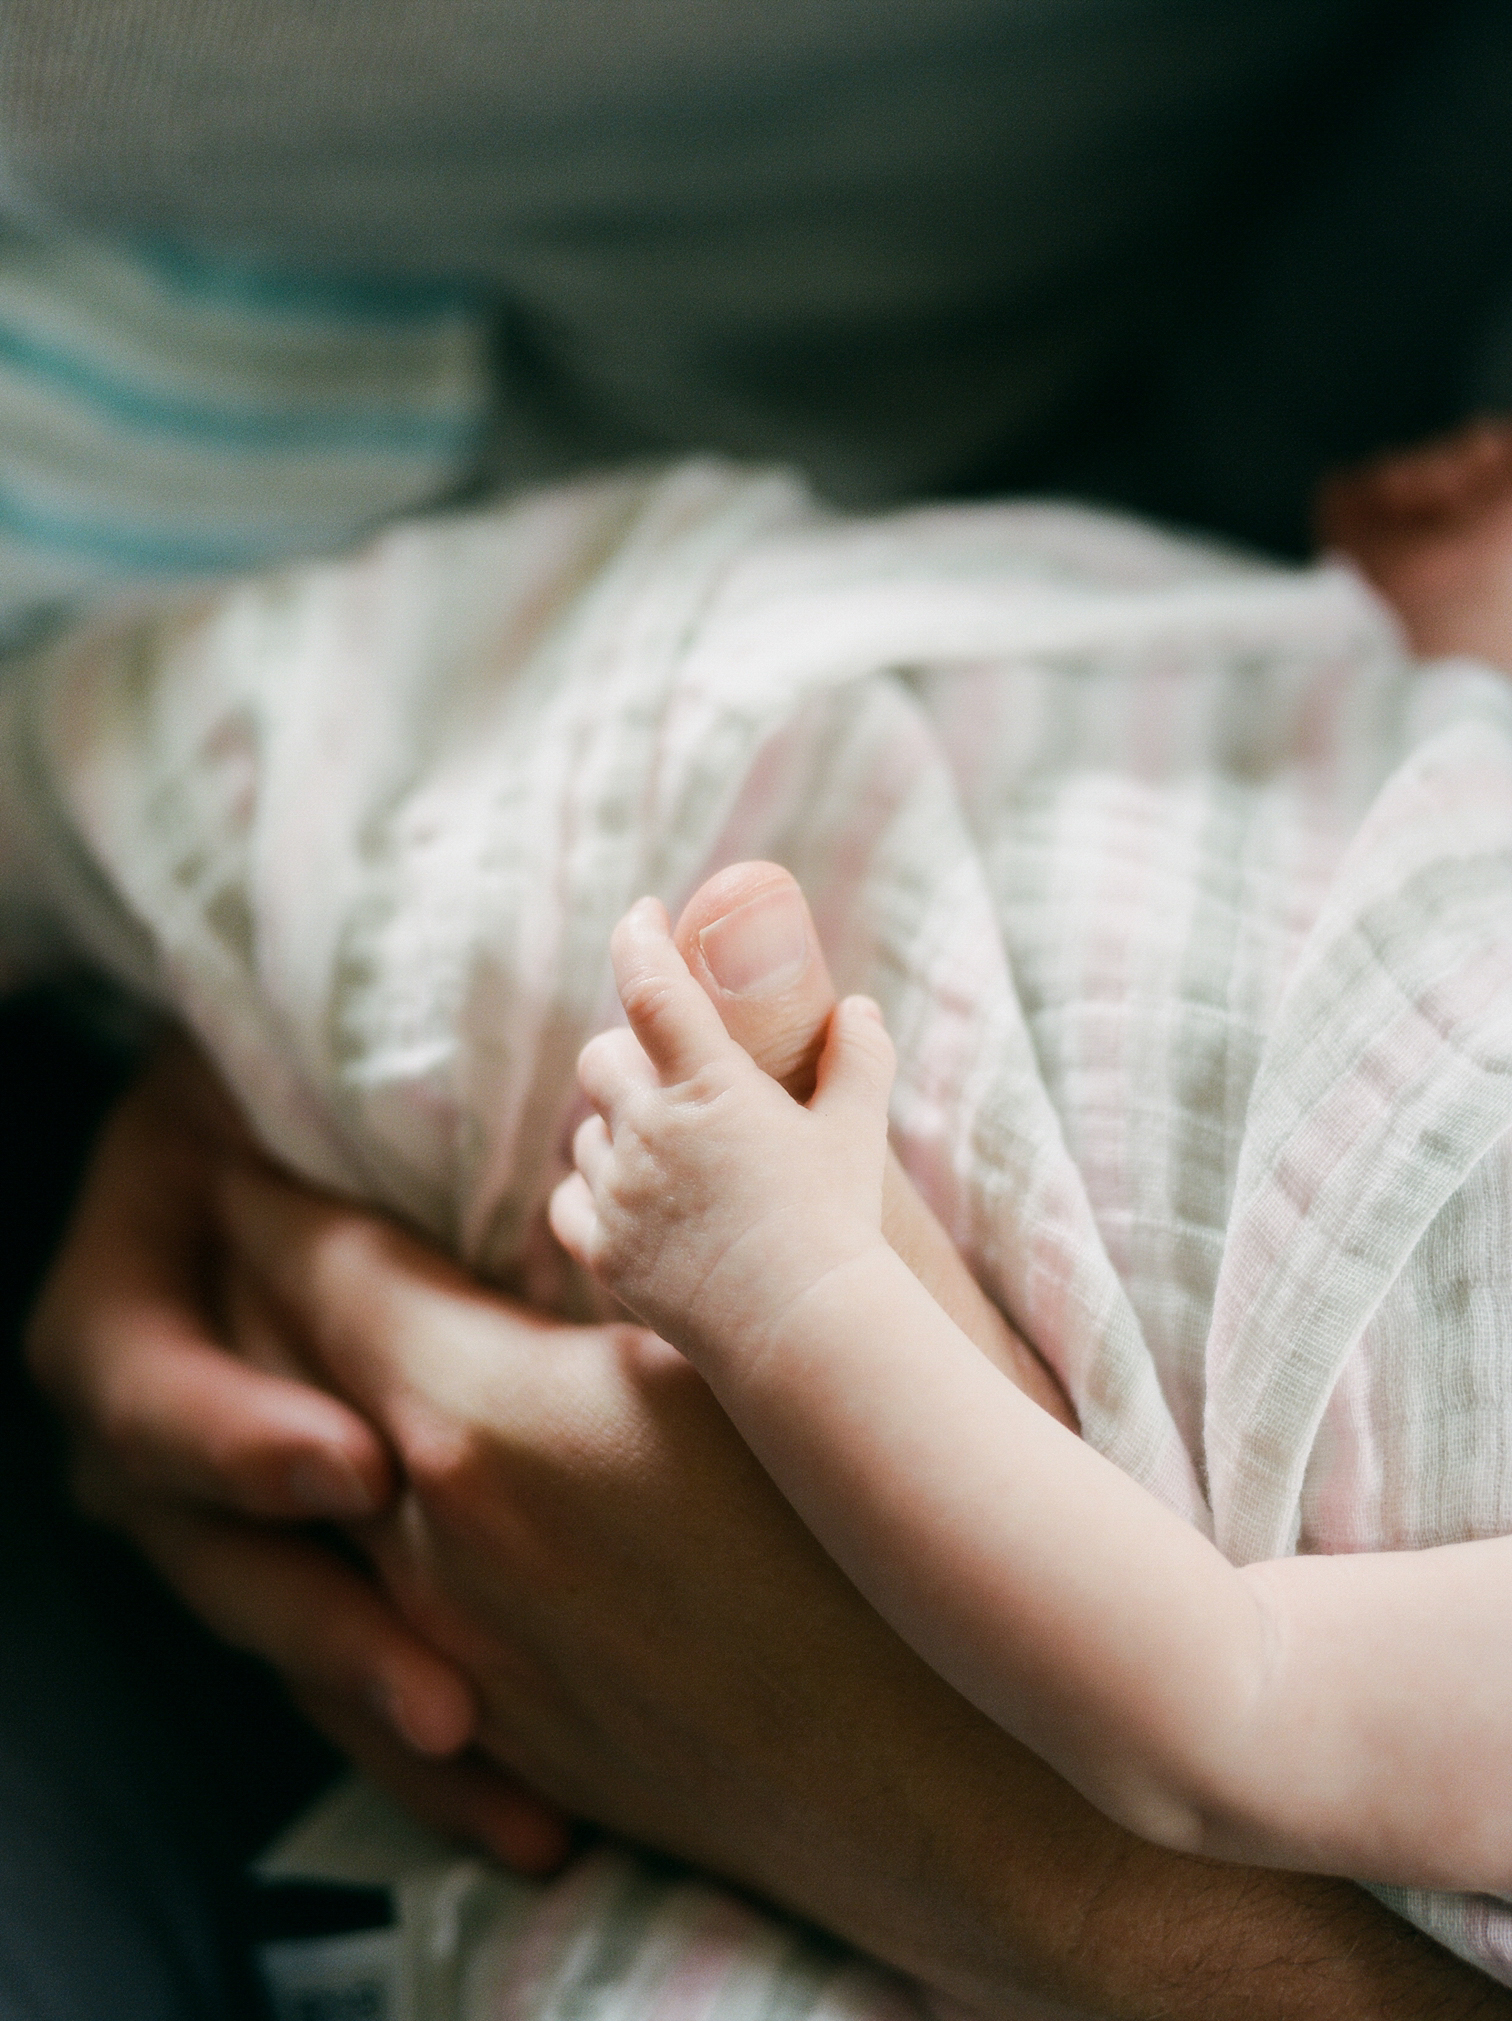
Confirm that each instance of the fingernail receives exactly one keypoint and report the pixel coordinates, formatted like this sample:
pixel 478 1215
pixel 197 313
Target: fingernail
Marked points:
pixel 868 1007
pixel 761 946
pixel 326 1485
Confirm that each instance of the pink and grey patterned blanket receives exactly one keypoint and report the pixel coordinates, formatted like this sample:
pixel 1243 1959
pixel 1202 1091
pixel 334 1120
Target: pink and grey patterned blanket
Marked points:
pixel 1188 898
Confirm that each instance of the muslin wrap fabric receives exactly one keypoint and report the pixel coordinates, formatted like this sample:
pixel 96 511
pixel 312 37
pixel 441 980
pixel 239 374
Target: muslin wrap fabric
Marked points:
pixel 1186 894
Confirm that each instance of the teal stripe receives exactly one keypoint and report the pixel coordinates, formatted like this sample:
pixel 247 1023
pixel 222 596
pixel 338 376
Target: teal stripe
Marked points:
pixel 175 553
pixel 375 432
pixel 279 291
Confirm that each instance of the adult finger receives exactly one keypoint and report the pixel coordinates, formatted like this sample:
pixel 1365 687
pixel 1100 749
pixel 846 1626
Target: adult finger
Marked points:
pixel 674 1020
pixel 469 1798
pixel 184 1419
pixel 253 1327
pixel 321 1623
pixel 123 1341
pixel 355 1288
pixel 349 1661
pixel 751 944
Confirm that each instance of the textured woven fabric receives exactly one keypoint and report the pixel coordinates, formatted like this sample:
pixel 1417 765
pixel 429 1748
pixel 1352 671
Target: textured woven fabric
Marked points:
pixel 166 418
pixel 1184 892
pixel 618 1936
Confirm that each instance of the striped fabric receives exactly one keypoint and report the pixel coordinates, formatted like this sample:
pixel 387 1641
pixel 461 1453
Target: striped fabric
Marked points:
pixel 846 234
pixel 164 417
pixel 615 1935
pixel 1184 892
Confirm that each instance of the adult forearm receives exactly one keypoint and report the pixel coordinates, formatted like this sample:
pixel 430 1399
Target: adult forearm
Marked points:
pixel 658 1644
pixel 1000 1887
pixel 869 1800
pixel 1237 1944
pixel 1186 1941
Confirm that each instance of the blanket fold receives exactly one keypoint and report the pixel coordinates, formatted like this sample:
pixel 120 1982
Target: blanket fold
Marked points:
pixel 1184 892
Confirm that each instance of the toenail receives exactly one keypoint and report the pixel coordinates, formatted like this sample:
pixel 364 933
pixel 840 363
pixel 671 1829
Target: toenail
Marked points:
pixel 759 948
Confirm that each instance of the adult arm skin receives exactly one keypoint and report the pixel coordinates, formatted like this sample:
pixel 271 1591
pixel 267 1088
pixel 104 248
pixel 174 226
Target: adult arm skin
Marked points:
pixel 661 1646
pixel 655 1640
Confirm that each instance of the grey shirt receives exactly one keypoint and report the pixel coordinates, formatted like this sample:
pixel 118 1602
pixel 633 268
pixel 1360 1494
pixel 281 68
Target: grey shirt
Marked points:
pixel 909 244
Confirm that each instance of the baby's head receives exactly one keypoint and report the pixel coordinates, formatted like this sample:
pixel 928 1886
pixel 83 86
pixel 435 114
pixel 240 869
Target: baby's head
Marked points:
pixel 1432 529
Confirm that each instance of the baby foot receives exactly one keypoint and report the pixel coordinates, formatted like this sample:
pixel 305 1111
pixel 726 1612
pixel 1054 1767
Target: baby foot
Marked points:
pixel 748 938
pixel 1432 529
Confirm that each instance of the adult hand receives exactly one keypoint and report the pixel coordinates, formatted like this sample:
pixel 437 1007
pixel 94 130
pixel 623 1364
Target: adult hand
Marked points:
pixel 661 1646
pixel 217 1466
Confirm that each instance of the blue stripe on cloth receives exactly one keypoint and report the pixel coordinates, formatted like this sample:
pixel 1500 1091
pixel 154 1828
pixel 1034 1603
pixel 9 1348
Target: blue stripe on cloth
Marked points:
pixel 373 431
pixel 166 553
pixel 283 291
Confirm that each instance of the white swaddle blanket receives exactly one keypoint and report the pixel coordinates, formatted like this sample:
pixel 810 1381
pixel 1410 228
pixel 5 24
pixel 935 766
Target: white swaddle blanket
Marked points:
pixel 1187 897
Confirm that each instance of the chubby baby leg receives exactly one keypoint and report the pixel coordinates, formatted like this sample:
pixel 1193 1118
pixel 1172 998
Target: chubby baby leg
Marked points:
pixel 749 940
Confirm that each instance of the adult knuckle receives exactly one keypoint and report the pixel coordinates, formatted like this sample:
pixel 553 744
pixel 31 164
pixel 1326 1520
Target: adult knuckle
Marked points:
pixel 346 1294
pixel 447 1463
pixel 244 1467
pixel 345 1253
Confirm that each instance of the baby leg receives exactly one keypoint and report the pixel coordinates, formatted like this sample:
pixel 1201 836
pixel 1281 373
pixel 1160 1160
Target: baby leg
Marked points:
pixel 749 940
